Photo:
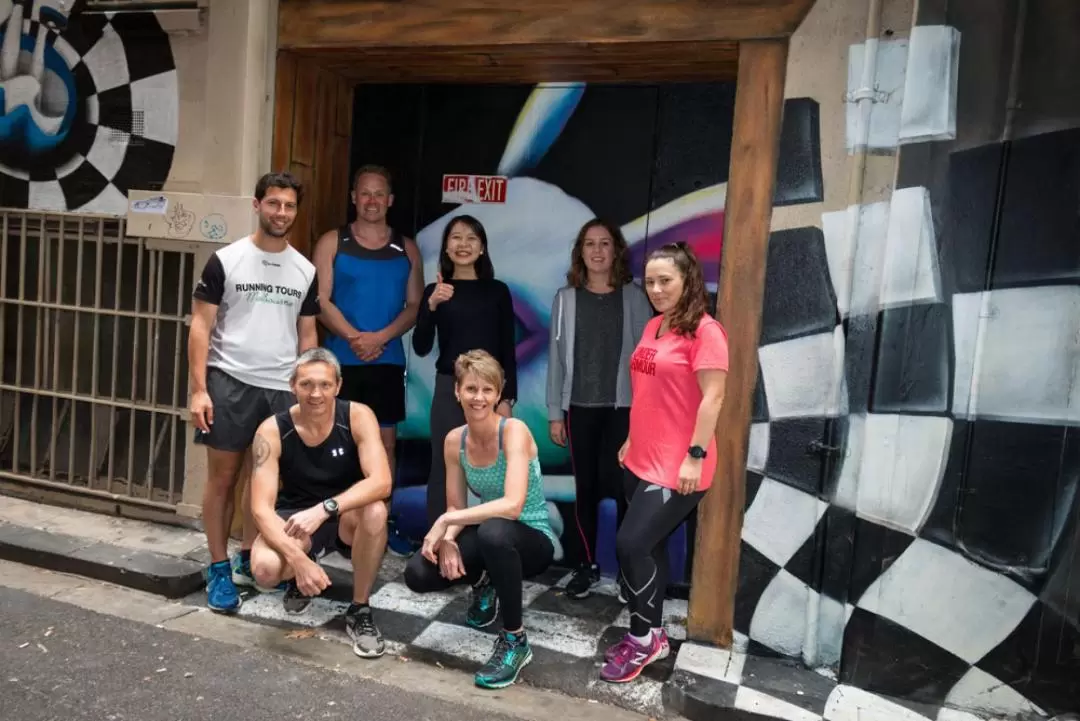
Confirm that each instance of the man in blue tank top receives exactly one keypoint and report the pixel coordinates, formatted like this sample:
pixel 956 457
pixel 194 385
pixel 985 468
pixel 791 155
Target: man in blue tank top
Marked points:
pixel 371 280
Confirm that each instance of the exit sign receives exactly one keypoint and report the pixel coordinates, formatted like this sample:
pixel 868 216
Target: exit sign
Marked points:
pixel 474 189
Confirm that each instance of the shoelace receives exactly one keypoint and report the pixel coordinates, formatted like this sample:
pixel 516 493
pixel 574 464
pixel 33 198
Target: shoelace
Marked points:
pixel 366 624
pixel 498 654
pixel 624 651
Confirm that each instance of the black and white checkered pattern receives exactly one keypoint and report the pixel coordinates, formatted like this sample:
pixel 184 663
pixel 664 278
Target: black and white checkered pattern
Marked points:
pixel 568 636
pixel 914 457
pixel 124 131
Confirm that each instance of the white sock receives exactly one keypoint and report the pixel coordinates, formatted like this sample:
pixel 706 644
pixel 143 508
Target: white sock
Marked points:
pixel 657 631
pixel 643 640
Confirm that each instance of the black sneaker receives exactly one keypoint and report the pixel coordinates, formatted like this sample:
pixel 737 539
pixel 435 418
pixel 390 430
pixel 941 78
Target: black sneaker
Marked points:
pixel 294 601
pixel 583 581
pixel 365 635
pixel 484 608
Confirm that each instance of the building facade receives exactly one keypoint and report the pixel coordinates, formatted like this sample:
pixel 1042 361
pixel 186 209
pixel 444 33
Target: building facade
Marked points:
pixel 910 521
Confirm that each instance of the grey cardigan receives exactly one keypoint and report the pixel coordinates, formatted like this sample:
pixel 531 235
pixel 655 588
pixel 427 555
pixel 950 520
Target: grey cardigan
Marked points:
pixel 560 375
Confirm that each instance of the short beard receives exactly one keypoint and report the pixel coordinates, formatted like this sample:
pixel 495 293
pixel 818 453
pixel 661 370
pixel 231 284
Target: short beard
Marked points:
pixel 267 227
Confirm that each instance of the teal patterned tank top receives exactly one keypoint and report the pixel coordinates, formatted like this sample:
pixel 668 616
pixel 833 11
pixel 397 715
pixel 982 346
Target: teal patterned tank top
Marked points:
pixel 489 483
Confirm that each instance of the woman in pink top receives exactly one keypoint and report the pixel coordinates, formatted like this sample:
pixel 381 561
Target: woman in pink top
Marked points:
pixel 677 373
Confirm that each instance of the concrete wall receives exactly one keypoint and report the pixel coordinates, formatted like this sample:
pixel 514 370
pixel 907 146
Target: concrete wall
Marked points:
pixel 911 522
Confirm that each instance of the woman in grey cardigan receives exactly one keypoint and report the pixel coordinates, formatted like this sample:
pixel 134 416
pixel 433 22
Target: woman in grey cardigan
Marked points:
pixel 596 321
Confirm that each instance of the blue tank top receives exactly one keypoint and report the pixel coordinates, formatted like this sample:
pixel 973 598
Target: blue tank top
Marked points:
pixel 369 289
pixel 489 483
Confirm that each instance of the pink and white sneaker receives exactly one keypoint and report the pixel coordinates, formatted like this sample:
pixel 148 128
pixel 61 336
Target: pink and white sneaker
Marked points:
pixel 664 652
pixel 628 658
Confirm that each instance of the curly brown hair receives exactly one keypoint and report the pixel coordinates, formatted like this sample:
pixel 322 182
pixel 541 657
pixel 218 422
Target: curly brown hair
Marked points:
pixel 693 304
pixel 620 266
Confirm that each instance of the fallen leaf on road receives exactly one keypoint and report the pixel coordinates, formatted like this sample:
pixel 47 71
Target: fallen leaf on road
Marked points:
pixel 301 633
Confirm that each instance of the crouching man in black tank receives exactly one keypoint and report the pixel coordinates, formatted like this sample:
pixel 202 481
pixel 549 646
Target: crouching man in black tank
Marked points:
pixel 334 478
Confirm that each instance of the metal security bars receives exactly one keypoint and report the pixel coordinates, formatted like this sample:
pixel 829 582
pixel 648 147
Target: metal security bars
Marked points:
pixel 93 340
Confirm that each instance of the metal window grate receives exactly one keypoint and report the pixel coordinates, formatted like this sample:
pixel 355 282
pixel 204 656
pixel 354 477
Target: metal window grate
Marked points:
pixel 93 389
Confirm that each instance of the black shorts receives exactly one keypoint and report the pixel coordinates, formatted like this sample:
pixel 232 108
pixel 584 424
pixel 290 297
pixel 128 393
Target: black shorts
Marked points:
pixel 238 410
pixel 323 541
pixel 380 387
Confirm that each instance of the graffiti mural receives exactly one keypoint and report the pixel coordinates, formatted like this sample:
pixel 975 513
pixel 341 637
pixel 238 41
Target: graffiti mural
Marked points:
pixel 912 514
pixel 654 160
pixel 89 106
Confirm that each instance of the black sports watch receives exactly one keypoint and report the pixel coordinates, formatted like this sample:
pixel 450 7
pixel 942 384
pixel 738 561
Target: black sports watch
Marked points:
pixel 697 452
pixel 331 507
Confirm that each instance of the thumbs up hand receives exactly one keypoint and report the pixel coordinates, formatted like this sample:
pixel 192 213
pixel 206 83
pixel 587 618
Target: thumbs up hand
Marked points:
pixel 443 292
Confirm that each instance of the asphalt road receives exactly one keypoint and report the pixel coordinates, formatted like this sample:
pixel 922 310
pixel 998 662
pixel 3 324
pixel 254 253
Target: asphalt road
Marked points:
pixel 60 662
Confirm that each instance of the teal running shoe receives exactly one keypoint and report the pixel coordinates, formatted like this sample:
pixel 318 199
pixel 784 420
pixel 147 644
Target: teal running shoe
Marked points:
pixel 511 654
pixel 484 608
pixel 242 575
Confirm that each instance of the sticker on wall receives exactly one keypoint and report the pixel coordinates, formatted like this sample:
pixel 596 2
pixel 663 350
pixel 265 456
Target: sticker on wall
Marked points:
pixel 474 189
pixel 90 109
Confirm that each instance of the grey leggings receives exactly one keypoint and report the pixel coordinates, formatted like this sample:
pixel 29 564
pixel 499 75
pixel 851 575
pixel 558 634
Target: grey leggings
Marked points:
pixel 446 415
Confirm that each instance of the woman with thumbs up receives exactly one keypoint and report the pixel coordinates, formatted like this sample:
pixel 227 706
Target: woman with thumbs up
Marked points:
pixel 469 310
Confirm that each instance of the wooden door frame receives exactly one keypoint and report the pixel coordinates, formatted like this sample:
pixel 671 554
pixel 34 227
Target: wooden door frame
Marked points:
pixel 419 41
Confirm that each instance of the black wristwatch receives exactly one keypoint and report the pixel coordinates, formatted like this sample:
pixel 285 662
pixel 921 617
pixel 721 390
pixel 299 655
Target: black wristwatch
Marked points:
pixel 331 507
pixel 697 452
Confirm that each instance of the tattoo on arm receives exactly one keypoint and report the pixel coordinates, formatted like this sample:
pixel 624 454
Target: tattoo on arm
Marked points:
pixel 260 450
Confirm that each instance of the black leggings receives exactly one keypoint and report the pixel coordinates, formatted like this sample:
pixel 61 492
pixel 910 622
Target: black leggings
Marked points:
pixel 654 513
pixel 446 415
pixel 595 437
pixel 508 550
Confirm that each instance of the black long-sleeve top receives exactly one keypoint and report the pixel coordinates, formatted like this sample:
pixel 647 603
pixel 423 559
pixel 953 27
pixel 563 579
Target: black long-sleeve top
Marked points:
pixel 479 316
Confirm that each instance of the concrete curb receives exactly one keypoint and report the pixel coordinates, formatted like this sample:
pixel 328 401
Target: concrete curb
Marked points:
pixel 147 571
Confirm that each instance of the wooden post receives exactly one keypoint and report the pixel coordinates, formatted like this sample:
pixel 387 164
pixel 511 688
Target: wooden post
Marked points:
pixel 759 103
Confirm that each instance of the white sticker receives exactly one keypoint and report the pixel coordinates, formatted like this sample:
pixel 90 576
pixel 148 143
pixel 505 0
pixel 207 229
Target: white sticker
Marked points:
pixel 156 205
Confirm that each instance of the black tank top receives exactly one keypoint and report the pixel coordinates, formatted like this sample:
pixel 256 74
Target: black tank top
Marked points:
pixel 311 474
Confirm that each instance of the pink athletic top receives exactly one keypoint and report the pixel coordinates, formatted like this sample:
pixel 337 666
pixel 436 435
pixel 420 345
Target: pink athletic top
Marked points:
pixel 665 400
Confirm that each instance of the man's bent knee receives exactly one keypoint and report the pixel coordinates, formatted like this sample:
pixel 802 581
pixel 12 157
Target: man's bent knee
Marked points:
pixel 268 568
pixel 371 519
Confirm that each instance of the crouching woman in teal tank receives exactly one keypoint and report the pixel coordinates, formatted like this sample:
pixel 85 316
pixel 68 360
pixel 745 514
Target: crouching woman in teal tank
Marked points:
pixel 505 538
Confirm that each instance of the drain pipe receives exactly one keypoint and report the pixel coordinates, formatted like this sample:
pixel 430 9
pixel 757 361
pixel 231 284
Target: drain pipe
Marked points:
pixel 864 97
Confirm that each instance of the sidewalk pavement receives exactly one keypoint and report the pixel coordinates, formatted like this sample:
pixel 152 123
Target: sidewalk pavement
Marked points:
pixel 569 637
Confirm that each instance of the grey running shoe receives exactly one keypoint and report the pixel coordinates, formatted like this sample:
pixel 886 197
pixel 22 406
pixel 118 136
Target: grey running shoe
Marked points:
pixel 365 635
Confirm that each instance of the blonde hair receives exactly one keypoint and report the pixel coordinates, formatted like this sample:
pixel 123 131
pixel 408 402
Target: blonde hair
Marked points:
pixel 481 364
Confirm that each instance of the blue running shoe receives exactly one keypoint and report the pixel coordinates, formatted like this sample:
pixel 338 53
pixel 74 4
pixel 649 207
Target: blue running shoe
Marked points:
pixel 221 593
